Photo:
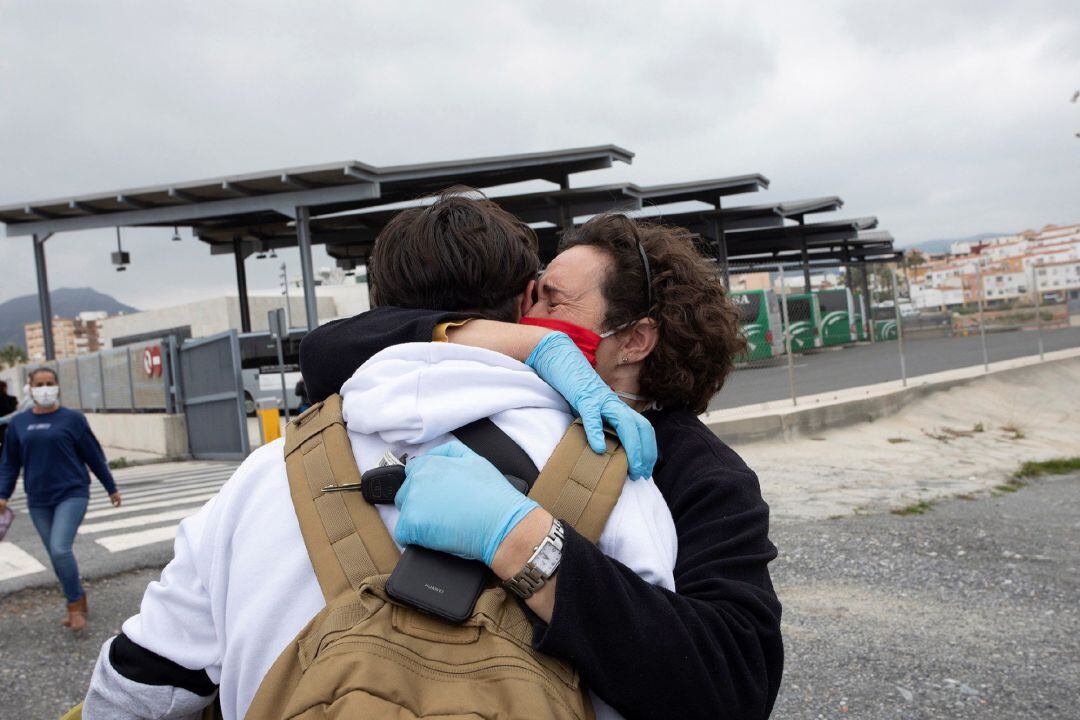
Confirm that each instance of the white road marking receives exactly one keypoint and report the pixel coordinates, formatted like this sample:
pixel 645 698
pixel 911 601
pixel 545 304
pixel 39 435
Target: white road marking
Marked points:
pixel 157 493
pixel 136 521
pixel 180 475
pixel 151 493
pixel 16 562
pixel 183 499
pixel 126 541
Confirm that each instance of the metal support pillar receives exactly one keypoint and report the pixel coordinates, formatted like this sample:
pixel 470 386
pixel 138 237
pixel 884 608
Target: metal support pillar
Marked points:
pixel 899 328
pixel 786 323
pixel 1038 311
pixel 307 272
pixel 241 286
pixel 44 303
pixel 566 221
pixel 982 319
pixel 871 331
pixel 721 252
pixel 805 255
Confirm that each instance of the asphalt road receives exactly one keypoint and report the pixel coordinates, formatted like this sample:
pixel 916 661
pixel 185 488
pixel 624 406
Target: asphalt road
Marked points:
pixel 870 363
pixel 967 611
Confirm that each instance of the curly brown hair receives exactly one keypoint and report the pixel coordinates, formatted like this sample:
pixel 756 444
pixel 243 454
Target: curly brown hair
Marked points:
pixel 698 326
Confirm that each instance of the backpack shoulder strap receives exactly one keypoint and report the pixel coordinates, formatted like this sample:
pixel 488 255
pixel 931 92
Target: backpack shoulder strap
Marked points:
pixel 487 439
pixel 580 487
pixel 345 537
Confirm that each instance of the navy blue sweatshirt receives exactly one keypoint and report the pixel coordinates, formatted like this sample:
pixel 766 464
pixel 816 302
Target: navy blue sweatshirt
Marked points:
pixel 53 450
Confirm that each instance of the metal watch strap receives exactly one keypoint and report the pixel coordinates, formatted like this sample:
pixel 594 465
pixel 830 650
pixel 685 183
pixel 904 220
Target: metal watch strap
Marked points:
pixel 530 578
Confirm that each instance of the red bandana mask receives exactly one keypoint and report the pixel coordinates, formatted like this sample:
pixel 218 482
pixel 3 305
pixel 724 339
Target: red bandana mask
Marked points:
pixel 586 340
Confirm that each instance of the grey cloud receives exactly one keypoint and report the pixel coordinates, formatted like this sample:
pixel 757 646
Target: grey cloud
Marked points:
pixel 909 113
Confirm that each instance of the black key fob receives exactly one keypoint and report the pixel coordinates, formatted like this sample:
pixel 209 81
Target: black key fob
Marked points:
pixel 380 485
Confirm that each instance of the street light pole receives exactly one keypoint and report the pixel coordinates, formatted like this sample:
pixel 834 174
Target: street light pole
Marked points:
pixel 285 282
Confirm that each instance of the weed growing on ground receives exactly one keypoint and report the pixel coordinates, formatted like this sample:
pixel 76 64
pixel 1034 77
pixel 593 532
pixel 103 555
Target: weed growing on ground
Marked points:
pixel 954 433
pixel 978 428
pixel 897 440
pixel 918 508
pixel 1017 432
pixel 1056 466
pixel 120 462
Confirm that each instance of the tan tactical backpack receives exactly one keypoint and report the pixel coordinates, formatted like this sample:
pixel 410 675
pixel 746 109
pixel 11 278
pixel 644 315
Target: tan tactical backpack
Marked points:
pixel 363 656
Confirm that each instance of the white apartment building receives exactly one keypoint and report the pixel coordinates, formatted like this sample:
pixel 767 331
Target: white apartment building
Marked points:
pixel 1058 276
pixel 1008 266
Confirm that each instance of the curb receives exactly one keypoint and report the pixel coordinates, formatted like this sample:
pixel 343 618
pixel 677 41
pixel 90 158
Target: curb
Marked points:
pixel 851 406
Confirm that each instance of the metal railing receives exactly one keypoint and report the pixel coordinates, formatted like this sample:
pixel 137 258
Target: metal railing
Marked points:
pixel 848 332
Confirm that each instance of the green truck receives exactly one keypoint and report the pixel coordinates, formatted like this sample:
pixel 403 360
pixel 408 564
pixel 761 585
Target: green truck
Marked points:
pixel 760 323
pixel 837 317
pixel 805 320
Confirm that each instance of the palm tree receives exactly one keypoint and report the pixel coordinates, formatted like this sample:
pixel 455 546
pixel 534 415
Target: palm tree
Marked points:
pixel 11 355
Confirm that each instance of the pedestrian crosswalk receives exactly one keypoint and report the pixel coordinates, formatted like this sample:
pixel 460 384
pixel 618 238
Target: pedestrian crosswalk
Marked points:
pixel 155 499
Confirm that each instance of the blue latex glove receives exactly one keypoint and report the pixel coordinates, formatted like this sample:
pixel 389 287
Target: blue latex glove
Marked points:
pixel 562 366
pixel 455 501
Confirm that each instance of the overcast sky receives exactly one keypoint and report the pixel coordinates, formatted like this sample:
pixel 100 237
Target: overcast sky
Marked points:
pixel 942 121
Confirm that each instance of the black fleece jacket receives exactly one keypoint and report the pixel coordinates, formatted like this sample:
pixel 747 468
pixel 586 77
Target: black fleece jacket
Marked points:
pixel 710 650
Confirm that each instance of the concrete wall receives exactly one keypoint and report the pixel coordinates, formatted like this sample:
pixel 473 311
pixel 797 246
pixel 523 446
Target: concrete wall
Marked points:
pixel 807 419
pixel 212 316
pixel 155 433
pixel 349 300
pixel 260 305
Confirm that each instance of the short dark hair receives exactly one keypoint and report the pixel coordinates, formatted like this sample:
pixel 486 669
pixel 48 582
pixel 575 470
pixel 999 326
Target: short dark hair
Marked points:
pixel 697 324
pixel 463 253
pixel 40 369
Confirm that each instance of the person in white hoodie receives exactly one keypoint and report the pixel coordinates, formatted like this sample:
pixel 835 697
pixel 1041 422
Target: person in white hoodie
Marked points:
pixel 241 585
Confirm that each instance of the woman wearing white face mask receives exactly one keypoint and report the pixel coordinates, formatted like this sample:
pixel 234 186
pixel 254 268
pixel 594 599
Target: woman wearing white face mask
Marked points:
pixel 53 446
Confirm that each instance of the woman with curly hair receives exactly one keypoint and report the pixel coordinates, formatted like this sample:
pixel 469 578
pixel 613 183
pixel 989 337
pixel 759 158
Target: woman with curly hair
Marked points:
pixel 654 319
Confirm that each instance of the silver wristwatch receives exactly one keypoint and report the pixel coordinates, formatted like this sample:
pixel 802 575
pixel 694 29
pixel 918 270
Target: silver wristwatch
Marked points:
pixel 541 565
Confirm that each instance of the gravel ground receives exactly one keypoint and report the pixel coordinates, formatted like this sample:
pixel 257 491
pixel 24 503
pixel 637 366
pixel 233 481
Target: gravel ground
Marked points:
pixel 966 611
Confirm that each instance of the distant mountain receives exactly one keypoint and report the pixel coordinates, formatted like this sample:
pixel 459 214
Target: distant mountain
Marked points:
pixel 66 302
pixel 942 245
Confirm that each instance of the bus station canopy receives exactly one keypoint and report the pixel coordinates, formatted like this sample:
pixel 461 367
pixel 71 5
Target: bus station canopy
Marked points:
pixel 352 235
pixel 266 197
pixel 258 197
pixel 344 205
pixel 749 217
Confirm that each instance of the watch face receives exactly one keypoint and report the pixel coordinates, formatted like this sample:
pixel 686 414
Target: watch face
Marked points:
pixel 547 558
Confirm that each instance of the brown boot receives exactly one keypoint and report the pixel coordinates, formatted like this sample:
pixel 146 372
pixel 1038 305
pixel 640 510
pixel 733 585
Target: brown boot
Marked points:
pixel 76 617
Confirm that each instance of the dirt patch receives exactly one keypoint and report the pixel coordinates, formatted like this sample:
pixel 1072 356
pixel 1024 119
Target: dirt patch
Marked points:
pixel 965 440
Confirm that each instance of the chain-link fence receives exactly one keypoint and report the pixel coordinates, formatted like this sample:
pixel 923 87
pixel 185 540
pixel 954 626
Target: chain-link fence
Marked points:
pixel 813 333
pixel 135 378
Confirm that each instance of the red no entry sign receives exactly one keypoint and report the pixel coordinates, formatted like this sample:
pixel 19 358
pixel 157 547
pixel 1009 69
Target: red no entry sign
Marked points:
pixel 152 361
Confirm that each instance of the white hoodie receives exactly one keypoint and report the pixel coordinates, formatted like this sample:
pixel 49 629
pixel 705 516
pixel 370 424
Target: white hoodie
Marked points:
pixel 241 586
